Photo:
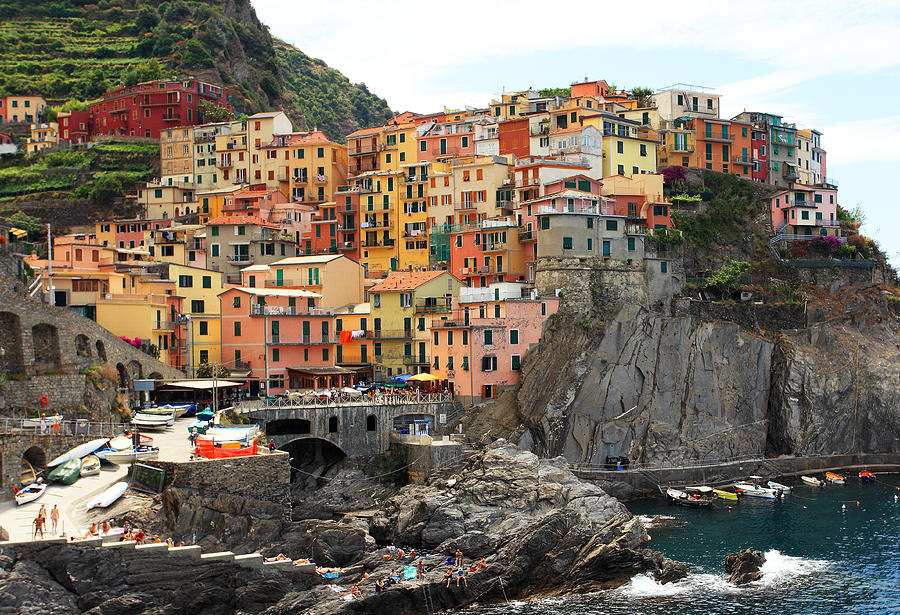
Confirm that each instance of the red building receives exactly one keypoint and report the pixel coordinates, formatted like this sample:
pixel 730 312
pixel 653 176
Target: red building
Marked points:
pixel 335 228
pixel 74 126
pixel 143 110
pixel 759 146
pixel 515 137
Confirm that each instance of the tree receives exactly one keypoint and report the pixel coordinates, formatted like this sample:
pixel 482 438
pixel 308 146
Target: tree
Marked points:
pixel 106 188
pixel 726 279
pixel 641 94
pixel 210 112
pixel 146 19
pixel 206 370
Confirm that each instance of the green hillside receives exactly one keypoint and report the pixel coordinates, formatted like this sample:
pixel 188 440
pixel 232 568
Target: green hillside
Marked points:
pixel 74 49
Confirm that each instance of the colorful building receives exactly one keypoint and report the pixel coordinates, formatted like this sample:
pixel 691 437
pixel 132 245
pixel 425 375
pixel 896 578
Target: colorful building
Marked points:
pixel 235 242
pixel 43 136
pixel 74 127
pixel 337 279
pixel 804 212
pixel 21 109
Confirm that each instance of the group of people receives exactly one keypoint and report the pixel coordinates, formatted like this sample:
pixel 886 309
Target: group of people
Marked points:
pixel 40 522
pixel 460 573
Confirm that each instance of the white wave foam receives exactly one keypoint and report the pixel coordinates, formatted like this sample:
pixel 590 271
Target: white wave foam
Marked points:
pixel 650 521
pixel 643 586
pixel 779 567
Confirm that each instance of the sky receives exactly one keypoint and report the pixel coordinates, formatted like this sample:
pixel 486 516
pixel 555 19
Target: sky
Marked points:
pixel 829 65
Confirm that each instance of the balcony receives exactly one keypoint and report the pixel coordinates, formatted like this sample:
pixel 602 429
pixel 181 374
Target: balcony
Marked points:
pixel 717 138
pixel 433 305
pixel 241 259
pixel 494 246
pixel 412 179
pixel 288 310
pixel 165 325
pixel 742 160
pixel 384 334
pixel 369 224
pixel 362 166
pixel 224 162
pixel 171 118
pixel 361 150
pixel 415 360
pixel 526 235
pixel 240 365
pixel 539 130
pixel 281 283
pixel 682 149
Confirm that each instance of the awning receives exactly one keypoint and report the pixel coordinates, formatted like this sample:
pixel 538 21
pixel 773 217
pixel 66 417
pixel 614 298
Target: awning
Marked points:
pixel 201 385
pixel 327 370
pixel 18 233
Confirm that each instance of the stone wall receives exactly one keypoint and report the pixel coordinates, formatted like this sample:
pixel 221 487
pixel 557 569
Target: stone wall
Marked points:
pixel 829 275
pixel 44 346
pixel 261 477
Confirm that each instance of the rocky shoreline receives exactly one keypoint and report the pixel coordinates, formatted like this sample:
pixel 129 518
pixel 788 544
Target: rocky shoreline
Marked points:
pixel 541 530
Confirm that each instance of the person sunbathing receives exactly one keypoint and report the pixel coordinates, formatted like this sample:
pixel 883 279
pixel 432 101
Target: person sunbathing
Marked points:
pixel 461 575
pixel 278 558
pixel 448 576
pixel 354 591
pixel 482 564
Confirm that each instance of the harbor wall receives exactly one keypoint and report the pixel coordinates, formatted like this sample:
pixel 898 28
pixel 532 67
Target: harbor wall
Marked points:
pixel 636 483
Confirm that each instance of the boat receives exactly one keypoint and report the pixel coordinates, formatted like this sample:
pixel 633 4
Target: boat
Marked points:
pixel 30 492
pixel 178 410
pixel 132 455
pixel 685 499
pixel 779 487
pixel 837 479
pixel 725 495
pixel 28 475
pixel 66 473
pixel 810 480
pixel 222 450
pixel 755 491
pixel 200 426
pixel 205 415
pixel 239 433
pixel 120 443
pixel 153 421
pixel 90 465
pixel 109 496
pixel 866 476
pixel 55 419
pixel 79 451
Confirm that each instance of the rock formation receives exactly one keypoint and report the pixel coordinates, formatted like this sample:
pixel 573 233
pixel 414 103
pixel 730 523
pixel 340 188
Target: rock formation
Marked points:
pixel 744 567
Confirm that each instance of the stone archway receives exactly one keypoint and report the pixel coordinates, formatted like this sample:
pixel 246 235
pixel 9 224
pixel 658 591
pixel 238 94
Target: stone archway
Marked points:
pixel 312 461
pixel 11 355
pixel 135 370
pixel 101 350
pixel 45 342
pixel 35 457
pixel 82 346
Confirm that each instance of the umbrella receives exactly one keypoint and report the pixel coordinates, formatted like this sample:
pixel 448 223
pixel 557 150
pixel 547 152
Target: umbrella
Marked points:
pixel 424 377
pixel 402 377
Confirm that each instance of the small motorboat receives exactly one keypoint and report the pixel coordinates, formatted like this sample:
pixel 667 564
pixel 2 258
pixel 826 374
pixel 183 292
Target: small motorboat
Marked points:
pixel 90 465
pixel 837 479
pixel 120 443
pixel 221 450
pixel 109 496
pixel 66 472
pixel 79 451
pixel 811 480
pixel 866 476
pixel 153 421
pixel 684 498
pixel 132 455
pixel 725 495
pixel 779 487
pixel 30 492
pixel 755 491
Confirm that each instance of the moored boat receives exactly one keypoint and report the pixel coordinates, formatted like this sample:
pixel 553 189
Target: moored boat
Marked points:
pixel 726 495
pixel 779 487
pixel 109 496
pixel 866 476
pixel 66 473
pixel 153 421
pixel 79 451
pixel 755 491
pixel 132 455
pixel 683 498
pixel 30 492
pixel 832 477
pixel 811 480
pixel 220 450
pixel 90 465
pixel 123 442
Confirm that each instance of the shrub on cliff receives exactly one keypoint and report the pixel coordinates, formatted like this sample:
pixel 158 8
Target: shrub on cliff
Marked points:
pixel 725 280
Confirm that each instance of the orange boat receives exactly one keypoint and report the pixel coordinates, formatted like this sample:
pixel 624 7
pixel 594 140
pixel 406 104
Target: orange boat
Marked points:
pixel 866 476
pixel 837 479
pixel 214 450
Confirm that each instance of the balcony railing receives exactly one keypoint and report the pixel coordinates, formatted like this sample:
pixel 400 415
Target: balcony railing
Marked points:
pixel 433 305
pixel 384 334
pixel 288 310
pixel 742 160
pixel 365 149
pixel 494 246
pixel 280 283
pixel 526 235
pixel 243 259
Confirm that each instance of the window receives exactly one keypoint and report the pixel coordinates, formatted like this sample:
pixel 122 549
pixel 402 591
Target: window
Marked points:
pixel 545 222
pixel 516 363
pixel 207 281
pixel 276 355
pixel 464 141
pixel 488 337
pixel 204 356
pixel 185 281
pixel 204 328
pixel 376 300
pixel 631 244
pixel 620 169
pixel 590 244
pixel 423 146
pixel 489 364
pixel 606 248
pixel 197 306
pixel 236 302
pixel 214 231
pixel 620 147
pixel 436 338
pixel 612 225
pixel 663 267
pixel 567 243
pixel 643 149
pixel 744 132
pixel 237 328
pixel 465 337
pixel 514 336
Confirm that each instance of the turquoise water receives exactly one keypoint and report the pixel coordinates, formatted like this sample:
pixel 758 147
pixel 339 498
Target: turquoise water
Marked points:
pixel 825 555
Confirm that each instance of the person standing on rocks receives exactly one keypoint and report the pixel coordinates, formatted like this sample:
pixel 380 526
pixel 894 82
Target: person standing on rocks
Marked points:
pixel 458 562
pixel 420 568
pixel 54 518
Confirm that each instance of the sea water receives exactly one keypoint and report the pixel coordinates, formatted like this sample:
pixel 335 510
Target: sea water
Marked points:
pixel 824 555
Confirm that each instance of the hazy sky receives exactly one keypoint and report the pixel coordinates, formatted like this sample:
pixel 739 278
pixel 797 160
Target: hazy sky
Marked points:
pixel 829 65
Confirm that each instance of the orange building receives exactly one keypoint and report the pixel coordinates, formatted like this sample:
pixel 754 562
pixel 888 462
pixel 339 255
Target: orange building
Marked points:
pixel 723 145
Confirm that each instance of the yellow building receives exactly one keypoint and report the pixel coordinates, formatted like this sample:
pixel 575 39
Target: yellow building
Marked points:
pixel 338 279
pixel 211 202
pixel 677 146
pixel 399 146
pixel 199 289
pixel 175 158
pixel 625 152
pixel 400 308
pixel 379 207
pixel 233 157
pixel 314 165
pixel 43 136
pixel 469 190
pixel 356 354
pixel 163 202
pixel 413 219
pixel 21 108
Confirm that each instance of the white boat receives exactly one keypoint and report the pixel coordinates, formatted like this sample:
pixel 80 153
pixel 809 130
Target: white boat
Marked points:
pixel 242 433
pixel 50 421
pixel 90 465
pixel 811 480
pixel 132 455
pixel 109 496
pixel 153 421
pixel 779 487
pixel 754 490
pixel 30 493
pixel 79 451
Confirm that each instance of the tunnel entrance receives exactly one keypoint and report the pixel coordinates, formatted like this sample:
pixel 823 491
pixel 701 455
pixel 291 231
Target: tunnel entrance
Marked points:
pixel 34 460
pixel 313 461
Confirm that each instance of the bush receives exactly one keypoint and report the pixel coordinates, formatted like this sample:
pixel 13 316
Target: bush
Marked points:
pixel 106 188
pixel 724 281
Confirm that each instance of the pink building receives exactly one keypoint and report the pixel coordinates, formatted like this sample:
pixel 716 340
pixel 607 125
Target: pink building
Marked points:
pixel 447 140
pixel 283 338
pixel 480 344
pixel 805 211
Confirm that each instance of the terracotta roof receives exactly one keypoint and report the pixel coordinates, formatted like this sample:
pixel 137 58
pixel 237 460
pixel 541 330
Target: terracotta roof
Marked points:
pixel 232 220
pixel 253 193
pixel 306 138
pixel 365 131
pixel 405 280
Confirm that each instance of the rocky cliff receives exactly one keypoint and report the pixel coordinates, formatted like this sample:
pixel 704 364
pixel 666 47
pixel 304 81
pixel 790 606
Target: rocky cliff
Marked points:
pixel 679 388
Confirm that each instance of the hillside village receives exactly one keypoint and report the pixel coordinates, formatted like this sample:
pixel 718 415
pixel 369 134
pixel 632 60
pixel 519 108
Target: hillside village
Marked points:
pixel 436 243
